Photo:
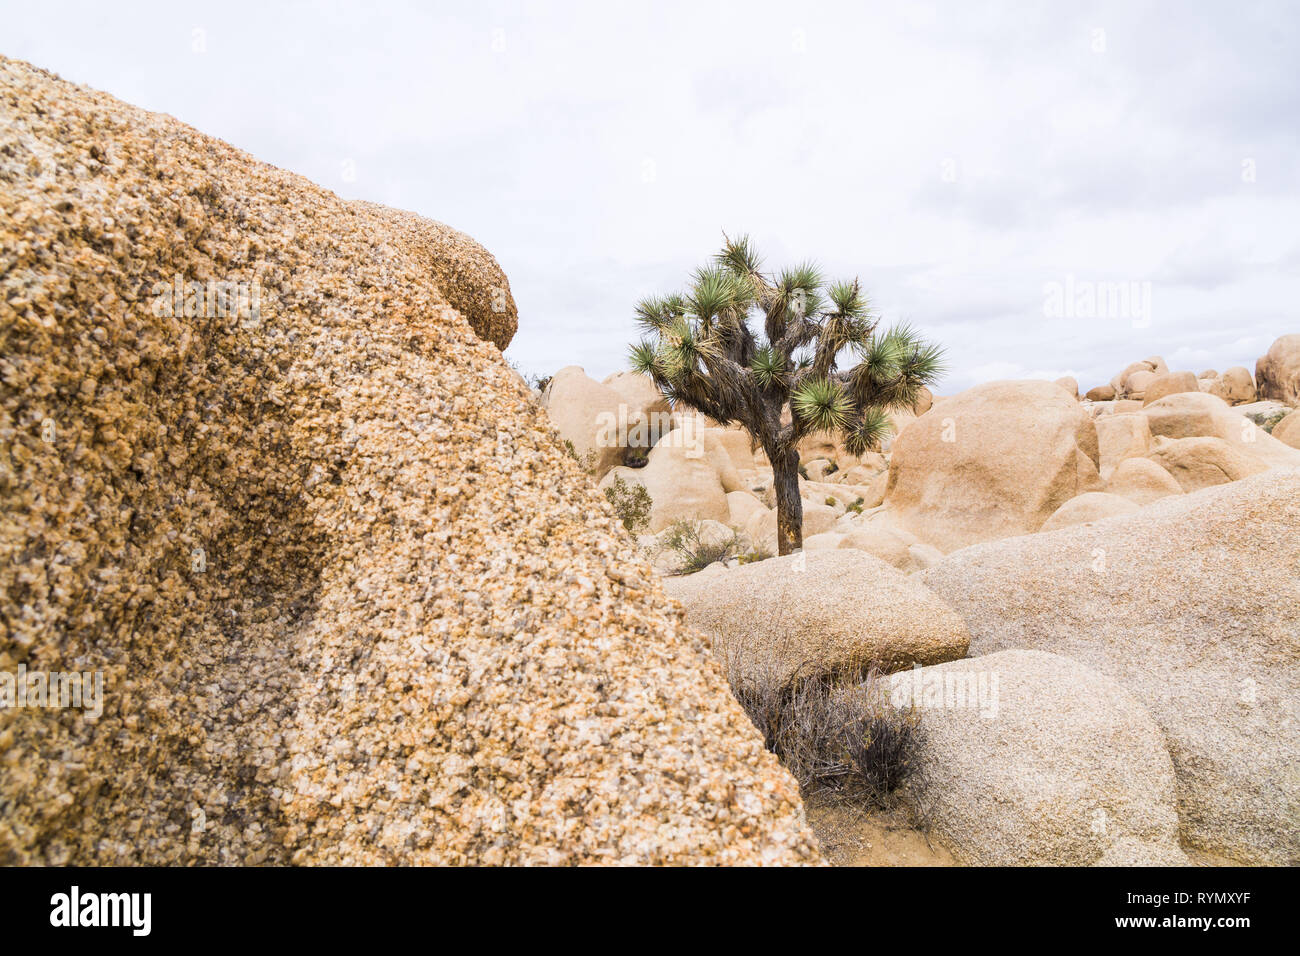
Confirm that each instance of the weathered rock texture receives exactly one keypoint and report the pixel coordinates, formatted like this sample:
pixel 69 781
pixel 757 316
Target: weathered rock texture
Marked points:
pixel 1277 373
pixel 994 461
pixel 1193 605
pixel 1033 759
pixel 351 600
pixel 834 613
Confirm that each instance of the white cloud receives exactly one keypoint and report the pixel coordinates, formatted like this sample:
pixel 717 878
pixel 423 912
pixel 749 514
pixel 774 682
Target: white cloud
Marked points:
pixel 955 156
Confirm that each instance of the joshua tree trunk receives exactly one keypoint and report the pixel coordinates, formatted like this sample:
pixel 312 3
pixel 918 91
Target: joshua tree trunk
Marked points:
pixel 789 506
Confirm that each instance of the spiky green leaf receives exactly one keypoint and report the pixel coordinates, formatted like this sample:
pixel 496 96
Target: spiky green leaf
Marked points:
pixel 821 404
pixel 865 434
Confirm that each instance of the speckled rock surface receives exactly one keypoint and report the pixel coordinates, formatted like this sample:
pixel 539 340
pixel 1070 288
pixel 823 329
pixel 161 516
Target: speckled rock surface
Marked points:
pixel 1032 759
pixel 1193 605
pixel 467 275
pixel 836 612
pixel 351 600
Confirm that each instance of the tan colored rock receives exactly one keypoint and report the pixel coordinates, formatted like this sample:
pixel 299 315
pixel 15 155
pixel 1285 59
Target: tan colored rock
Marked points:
pixel 646 410
pixel 1088 507
pixel 728 475
pixel 475 285
pixel 816 469
pixel 1235 386
pixel 881 542
pixel 738 446
pixel 1193 605
pixel 1013 771
pixel 1198 463
pixel 681 476
pixel 1277 373
pixel 826 541
pixel 1120 437
pixel 819 612
pixel 996 460
pixel 1142 481
pixel 875 495
pixel 741 507
pixel 587 414
pixel 1101 393
pixel 924 555
pixel 1135 386
pixel 1170 383
pixel 1192 415
pixel 1287 431
pixel 351 601
pixel 818 518
pixel 1126 387
pixel 1070 384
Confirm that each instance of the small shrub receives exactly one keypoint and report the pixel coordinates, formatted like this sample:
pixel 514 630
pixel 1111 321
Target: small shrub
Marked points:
pixel 830 501
pixel 685 539
pixel 1267 422
pixel 831 469
pixel 757 553
pixel 856 506
pixel 845 743
pixel 586 462
pixel 631 503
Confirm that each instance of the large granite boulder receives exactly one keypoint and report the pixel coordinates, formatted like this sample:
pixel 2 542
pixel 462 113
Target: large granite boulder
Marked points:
pixel 1193 605
pixel 1277 373
pixel 817 613
pixel 348 599
pixel 1033 759
pixel 995 461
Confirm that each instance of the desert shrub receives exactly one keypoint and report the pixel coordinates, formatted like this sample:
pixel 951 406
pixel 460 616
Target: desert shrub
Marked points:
pixel 838 742
pixel 539 382
pixel 1267 422
pixel 856 506
pixel 831 469
pixel 685 539
pixel 757 553
pixel 586 462
pixel 631 503
pixel 830 501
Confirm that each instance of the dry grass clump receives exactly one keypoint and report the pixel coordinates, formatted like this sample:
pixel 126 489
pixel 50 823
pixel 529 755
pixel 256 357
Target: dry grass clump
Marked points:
pixel 840 743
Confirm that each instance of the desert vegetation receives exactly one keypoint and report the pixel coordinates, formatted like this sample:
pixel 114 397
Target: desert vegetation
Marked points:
pixel 703 354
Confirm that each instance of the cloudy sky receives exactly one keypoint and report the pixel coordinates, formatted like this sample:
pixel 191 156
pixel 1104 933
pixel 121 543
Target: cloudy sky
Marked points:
pixel 973 163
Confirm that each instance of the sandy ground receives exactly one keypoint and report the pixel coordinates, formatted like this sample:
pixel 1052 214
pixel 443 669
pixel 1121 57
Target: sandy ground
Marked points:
pixel 851 836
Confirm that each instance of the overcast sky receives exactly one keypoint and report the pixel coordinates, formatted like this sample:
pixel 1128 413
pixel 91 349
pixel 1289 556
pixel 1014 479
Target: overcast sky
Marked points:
pixel 958 158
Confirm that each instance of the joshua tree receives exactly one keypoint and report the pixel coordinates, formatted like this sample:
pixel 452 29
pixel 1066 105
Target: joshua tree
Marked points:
pixel 785 383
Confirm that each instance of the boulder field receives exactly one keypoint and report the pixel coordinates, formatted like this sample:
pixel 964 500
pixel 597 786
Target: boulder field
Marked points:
pixel 1126 566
